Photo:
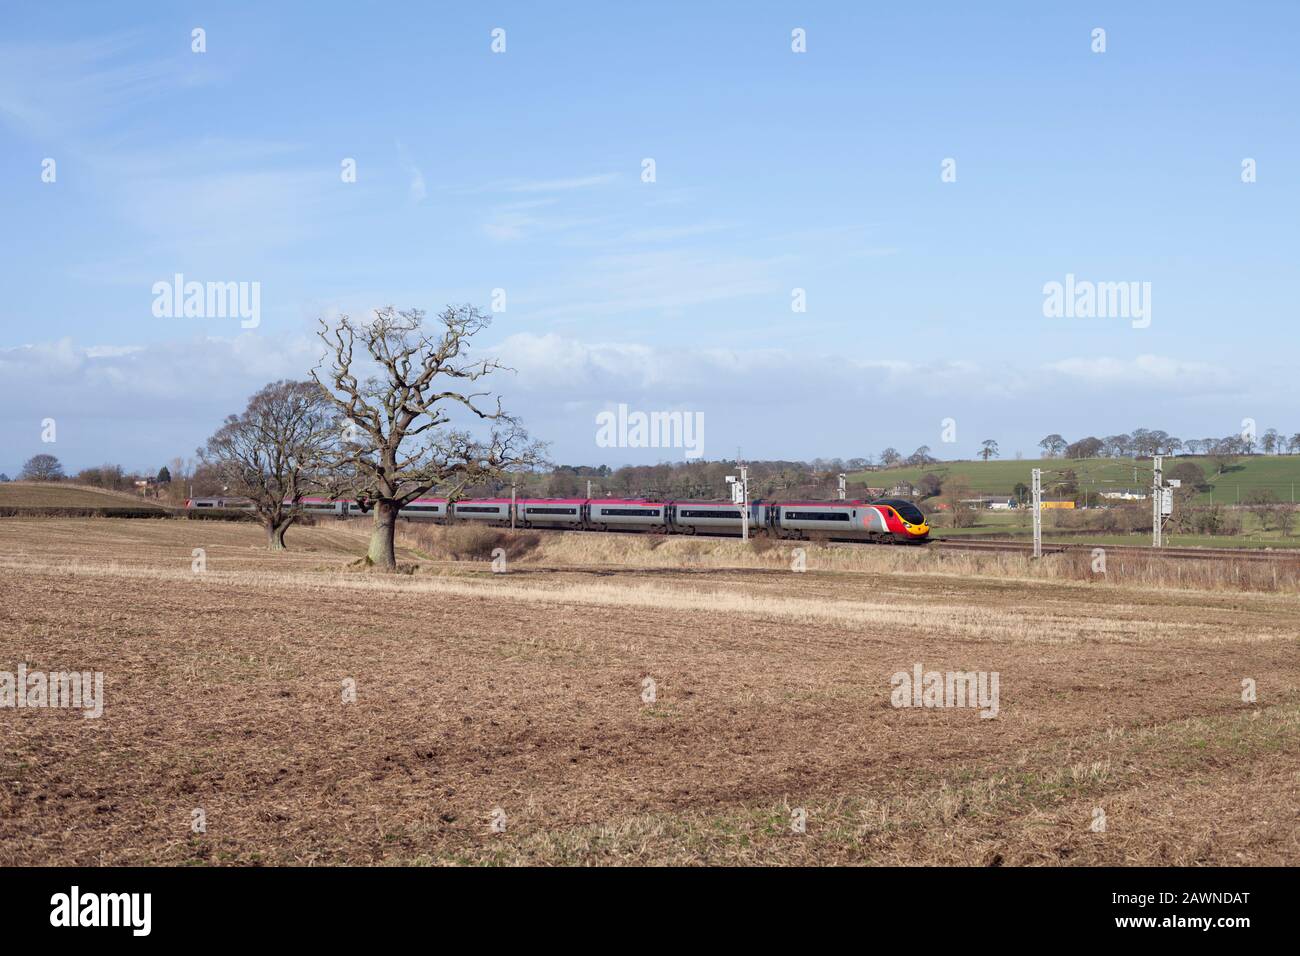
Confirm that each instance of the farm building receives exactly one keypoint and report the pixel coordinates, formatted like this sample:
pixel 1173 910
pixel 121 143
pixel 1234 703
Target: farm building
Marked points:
pixel 1124 494
pixel 991 502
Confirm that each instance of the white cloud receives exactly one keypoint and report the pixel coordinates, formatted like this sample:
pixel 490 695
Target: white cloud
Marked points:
pixel 143 404
pixel 1143 372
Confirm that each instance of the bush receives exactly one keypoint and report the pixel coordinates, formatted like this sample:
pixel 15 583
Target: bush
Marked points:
pixel 470 542
pixel 217 514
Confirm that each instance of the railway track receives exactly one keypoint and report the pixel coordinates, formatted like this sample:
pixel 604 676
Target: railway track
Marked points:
pixel 1020 547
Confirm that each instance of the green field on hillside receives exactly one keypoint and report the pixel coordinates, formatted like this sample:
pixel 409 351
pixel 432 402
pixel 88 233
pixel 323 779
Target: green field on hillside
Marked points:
pixel 1018 525
pixel 1277 473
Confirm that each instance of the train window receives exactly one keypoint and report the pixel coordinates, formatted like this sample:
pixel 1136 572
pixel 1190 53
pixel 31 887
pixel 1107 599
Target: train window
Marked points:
pixel 909 511
pixel 423 508
pixel 551 511
pixel 644 512
pixel 817 515
pixel 708 514
pixel 478 509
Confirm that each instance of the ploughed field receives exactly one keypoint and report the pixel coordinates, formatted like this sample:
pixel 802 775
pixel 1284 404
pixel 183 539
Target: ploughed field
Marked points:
pixel 520 699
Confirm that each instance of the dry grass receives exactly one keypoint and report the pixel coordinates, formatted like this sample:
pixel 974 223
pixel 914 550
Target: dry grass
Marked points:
pixel 576 549
pixel 522 691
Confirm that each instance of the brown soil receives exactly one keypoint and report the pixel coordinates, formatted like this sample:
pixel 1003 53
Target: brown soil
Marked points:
pixel 523 692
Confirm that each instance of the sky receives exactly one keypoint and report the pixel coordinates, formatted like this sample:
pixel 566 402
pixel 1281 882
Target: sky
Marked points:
pixel 915 178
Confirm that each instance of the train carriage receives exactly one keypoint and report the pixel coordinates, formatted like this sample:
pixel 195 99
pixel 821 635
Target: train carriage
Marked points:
pixel 322 507
pixel 619 514
pixel 551 512
pixel 485 510
pixel 229 504
pixel 800 518
pixel 424 509
pixel 691 517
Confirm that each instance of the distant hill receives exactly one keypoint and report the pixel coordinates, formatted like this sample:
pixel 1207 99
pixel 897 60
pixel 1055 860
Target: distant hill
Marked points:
pixel 1278 473
pixel 39 494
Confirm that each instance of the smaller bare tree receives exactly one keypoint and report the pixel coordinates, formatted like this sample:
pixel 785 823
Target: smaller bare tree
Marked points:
pixel 956 493
pixel 41 468
pixel 274 451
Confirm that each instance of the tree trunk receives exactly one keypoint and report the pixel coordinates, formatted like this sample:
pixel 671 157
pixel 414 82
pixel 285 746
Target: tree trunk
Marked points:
pixel 275 534
pixel 381 553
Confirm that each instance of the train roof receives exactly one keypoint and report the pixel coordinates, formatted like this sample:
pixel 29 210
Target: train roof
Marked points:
pixel 855 503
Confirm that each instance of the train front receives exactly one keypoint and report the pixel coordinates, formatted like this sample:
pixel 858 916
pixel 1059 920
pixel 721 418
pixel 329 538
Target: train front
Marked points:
pixel 905 521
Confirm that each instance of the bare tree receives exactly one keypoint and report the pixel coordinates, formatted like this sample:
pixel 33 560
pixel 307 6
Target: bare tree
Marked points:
pixel 988 449
pixel 41 468
pixel 956 492
pixel 401 440
pixel 273 453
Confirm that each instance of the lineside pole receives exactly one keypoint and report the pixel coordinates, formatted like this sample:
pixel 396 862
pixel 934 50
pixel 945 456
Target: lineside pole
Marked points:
pixel 1157 502
pixel 1038 511
pixel 744 505
pixel 512 504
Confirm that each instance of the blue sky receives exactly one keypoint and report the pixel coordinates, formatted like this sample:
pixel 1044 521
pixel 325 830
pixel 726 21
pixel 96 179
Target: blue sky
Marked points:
pixel 774 171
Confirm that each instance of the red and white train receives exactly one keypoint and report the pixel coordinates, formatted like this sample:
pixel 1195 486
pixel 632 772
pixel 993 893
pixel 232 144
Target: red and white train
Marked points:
pixel 884 520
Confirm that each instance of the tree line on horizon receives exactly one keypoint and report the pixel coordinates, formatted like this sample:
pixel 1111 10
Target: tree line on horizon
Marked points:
pixel 392 424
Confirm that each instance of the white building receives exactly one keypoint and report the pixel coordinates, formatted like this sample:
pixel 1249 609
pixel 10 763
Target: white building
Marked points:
pixel 1124 494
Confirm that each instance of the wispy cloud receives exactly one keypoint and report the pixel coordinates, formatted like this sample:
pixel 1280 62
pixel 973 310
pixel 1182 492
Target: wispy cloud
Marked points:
pixel 659 282
pixel 54 89
pixel 669 233
pixel 416 189
pixel 561 185
pixel 512 222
